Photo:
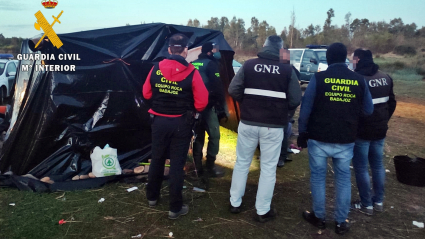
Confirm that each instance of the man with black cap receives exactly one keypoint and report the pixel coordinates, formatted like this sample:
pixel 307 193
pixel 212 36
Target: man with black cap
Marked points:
pixel 266 89
pixel 208 66
pixel 176 91
pixel 371 134
pixel 329 118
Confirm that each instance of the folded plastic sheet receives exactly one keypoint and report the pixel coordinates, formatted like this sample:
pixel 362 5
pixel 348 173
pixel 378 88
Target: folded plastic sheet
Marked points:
pixel 59 117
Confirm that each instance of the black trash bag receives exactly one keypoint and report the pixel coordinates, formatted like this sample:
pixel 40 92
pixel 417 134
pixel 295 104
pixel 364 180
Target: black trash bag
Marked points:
pixel 410 171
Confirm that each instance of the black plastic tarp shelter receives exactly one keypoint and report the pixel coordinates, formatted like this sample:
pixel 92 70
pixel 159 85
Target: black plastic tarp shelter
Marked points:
pixel 59 117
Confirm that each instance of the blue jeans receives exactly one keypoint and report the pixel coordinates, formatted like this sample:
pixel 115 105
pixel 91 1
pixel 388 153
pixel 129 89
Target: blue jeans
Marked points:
pixel 341 155
pixel 367 151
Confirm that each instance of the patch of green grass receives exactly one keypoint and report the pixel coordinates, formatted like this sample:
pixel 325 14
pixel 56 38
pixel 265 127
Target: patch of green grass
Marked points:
pixel 408 74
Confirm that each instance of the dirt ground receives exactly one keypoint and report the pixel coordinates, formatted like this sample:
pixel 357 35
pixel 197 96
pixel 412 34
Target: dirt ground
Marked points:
pixel 123 215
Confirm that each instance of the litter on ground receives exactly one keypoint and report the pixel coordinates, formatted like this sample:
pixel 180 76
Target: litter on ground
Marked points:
pixel 11 204
pixel 101 200
pixel 418 224
pixel 132 189
pixel 295 151
pixel 198 190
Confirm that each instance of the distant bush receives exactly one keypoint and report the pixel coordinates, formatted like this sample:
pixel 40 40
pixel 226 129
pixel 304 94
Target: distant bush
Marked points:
pixel 405 50
pixel 420 71
pixel 392 66
pixel 406 75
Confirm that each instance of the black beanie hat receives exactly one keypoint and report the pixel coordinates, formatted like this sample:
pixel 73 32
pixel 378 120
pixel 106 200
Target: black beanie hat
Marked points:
pixel 363 54
pixel 336 53
pixel 207 47
pixel 179 40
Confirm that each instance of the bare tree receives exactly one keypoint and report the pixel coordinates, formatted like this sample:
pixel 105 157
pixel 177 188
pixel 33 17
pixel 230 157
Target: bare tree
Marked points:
pixel 292 26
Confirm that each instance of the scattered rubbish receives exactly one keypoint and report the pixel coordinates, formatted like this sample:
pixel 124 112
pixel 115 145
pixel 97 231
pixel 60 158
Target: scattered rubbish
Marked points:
pixel 392 206
pixel 418 224
pixel 184 187
pixel 320 232
pixel 386 170
pixel 62 221
pixel 132 189
pixel 295 151
pixel 11 204
pixel 137 236
pixel 101 200
pixel 198 190
pixel 170 234
pixel 351 167
pixel 198 220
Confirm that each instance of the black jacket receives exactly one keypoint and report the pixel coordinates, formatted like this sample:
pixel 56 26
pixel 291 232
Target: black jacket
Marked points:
pixel 262 110
pixel 209 69
pixel 337 105
pixel 375 126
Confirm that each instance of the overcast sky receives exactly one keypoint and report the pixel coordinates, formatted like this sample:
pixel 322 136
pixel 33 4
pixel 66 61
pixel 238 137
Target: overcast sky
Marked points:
pixel 17 16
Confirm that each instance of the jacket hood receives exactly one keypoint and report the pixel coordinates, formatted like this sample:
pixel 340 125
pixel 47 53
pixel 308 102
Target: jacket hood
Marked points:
pixel 175 68
pixel 206 56
pixel 269 52
pixel 366 67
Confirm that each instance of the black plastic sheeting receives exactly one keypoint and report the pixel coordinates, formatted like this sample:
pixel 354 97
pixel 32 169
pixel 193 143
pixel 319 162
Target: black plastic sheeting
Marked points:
pixel 410 171
pixel 59 117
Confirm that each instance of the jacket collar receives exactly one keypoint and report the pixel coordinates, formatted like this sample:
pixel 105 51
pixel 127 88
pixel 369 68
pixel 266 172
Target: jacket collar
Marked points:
pixel 270 53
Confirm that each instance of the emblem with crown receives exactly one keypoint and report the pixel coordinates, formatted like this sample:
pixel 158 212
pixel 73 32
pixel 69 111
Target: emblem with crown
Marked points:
pixel 49 4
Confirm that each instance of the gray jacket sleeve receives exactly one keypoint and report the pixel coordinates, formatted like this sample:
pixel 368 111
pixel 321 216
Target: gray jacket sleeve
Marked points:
pixel 237 86
pixel 294 92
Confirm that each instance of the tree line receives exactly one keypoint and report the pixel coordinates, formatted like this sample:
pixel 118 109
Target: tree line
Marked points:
pixel 10 45
pixel 380 37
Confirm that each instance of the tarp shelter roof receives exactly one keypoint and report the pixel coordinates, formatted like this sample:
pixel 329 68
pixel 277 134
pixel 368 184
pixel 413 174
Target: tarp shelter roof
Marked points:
pixel 59 117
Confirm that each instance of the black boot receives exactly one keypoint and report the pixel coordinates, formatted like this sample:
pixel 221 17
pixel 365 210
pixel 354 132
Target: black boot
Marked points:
pixel 214 171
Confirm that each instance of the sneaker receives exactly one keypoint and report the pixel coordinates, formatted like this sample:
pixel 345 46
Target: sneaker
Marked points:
pixel 182 212
pixel 378 206
pixel 216 172
pixel 235 210
pixel 358 206
pixel 266 217
pixel 315 221
pixel 153 203
pixel 342 228
pixel 281 163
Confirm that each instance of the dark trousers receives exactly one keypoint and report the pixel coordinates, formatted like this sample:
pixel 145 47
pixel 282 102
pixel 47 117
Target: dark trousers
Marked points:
pixel 173 134
pixel 284 148
pixel 210 124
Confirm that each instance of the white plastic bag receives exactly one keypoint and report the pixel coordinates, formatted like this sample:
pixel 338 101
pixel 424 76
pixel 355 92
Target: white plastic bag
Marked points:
pixel 105 162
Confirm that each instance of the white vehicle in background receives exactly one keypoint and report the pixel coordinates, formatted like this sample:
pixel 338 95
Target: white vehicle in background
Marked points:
pixel 236 66
pixel 309 61
pixel 7 75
